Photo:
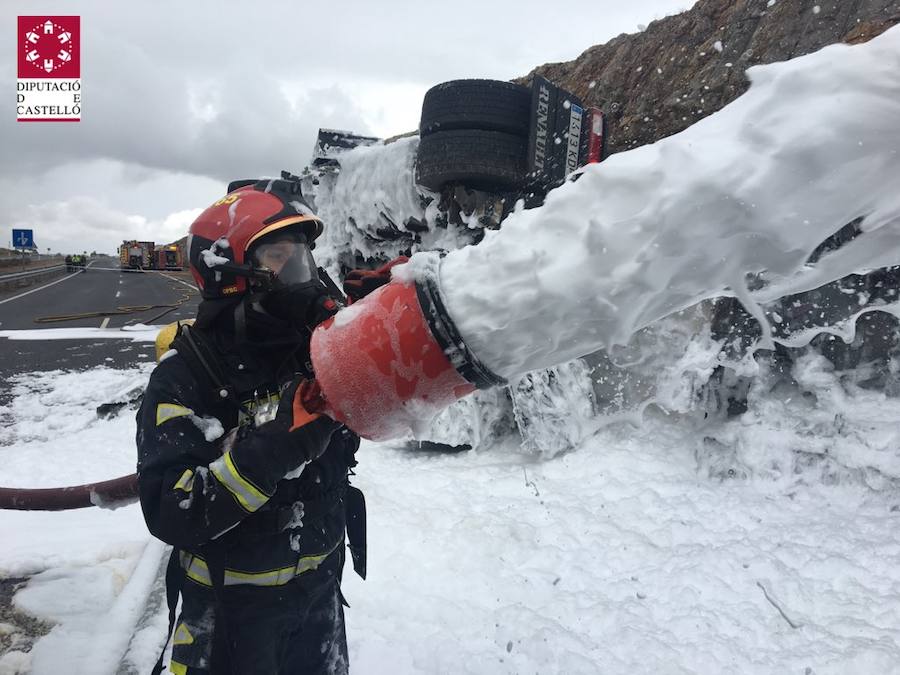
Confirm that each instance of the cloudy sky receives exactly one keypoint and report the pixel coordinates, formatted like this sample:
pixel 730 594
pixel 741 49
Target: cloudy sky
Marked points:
pixel 181 97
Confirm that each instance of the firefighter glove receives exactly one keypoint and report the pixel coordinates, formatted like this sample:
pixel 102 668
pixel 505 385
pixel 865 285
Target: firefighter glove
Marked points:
pixel 300 413
pixel 359 283
pixel 299 433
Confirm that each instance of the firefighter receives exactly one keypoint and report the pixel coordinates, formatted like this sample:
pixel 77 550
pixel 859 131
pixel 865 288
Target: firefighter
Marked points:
pixel 239 469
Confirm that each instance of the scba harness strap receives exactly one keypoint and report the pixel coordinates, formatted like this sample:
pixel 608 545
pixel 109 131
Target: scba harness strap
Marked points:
pixel 206 368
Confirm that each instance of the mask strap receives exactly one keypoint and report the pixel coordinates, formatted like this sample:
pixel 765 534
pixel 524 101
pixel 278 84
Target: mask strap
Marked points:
pixel 240 315
pixel 240 320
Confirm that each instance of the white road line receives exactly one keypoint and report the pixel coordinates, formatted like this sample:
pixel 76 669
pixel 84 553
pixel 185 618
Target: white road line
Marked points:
pixel 39 288
pixel 103 269
pixel 105 322
pixel 180 281
pixel 118 293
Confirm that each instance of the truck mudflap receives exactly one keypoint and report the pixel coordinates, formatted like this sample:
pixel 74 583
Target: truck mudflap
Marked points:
pixel 593 137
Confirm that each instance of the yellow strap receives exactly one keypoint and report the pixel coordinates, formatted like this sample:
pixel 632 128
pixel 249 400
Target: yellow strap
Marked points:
pixel 177 668
pixel 168 411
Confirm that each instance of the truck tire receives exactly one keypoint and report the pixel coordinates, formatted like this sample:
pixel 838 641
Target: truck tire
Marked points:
pixel 490 105
pixel 486 160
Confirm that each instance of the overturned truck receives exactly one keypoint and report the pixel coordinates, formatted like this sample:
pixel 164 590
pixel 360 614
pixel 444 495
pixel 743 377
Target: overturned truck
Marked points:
pixel 483 149
pixel 504 141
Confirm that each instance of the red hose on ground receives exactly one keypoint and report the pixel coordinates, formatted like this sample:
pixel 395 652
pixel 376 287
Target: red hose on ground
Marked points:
pixel 106 494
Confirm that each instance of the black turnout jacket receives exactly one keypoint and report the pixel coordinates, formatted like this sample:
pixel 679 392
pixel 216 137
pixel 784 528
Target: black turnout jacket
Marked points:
pixel 215 484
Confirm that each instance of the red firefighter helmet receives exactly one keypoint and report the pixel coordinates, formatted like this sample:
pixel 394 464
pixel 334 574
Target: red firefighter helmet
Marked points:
pixel 220 237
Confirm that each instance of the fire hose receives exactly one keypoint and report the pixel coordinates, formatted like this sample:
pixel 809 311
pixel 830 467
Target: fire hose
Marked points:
pixel 124 309
pixel 108 494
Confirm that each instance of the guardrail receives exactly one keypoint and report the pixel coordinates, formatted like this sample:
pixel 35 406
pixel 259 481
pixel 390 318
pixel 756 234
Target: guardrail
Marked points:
pixel 18 261
pixel 11 282
pixel 19 275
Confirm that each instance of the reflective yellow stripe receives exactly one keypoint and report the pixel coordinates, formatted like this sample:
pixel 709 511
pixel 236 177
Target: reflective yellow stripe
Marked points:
pixel 196 568
pixel 310 562
pixel 168 411
pixel 177 668
pixel 182 636
pixel 271 578
pixel 248 495
pixel 276 577
pixel 186 482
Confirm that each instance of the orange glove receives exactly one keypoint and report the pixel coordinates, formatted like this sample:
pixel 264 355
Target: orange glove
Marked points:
pixel 307 402
pixel 359 283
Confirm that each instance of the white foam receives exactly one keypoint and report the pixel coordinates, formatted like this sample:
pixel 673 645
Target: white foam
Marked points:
pixel 756 187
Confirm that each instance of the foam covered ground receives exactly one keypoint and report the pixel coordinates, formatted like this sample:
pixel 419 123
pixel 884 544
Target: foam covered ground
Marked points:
pixel 686 543
pixel 648 549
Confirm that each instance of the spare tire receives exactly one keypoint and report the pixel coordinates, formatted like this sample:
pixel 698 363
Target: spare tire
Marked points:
pixel 485 160
pixel 490 105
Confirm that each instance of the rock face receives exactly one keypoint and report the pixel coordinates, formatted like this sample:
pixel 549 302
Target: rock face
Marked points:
pixel 685 67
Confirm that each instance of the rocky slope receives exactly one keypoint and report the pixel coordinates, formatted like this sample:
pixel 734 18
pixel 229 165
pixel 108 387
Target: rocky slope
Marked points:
pixel 684 67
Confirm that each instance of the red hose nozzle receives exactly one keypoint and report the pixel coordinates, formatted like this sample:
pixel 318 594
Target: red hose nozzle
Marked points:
pixel 390 362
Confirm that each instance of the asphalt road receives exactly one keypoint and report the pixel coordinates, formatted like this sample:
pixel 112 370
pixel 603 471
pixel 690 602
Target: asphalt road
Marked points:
pixel 101 288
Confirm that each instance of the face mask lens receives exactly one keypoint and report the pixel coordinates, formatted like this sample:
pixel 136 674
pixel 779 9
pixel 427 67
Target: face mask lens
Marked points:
pixel 289 259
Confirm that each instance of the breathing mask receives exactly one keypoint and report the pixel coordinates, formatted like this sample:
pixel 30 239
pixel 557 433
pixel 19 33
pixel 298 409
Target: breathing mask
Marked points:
pixel 294 292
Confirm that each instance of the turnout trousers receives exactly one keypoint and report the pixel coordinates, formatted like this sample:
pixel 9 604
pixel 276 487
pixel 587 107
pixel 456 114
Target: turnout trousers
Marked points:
pixel 293 629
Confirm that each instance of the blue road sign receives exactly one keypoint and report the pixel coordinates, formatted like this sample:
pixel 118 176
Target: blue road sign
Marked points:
pixel 23 238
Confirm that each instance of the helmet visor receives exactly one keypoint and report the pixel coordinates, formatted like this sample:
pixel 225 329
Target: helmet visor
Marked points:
pixel 287 257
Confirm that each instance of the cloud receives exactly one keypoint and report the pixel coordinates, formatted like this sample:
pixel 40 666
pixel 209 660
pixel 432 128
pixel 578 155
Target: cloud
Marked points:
pixel 86 224
pixel 103 190
pixel 237 123
pixel 195 87
pixel 179 98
